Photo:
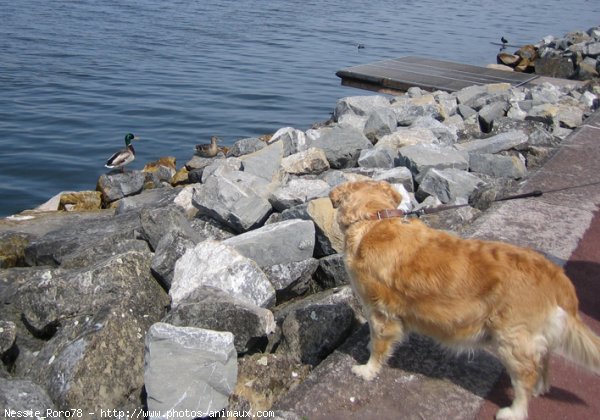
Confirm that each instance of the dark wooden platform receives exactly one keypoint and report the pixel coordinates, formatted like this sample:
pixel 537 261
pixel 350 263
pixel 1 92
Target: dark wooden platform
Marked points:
pixel 398 75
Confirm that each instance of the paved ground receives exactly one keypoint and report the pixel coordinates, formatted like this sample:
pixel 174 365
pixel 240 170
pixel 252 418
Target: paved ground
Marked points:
pixel 426 383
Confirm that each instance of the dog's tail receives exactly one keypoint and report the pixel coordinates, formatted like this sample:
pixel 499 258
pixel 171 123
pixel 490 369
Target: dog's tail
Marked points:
pixel 581 345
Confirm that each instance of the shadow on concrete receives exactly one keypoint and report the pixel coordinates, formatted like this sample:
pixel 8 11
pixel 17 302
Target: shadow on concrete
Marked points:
pixel 476 371
pixel 585 275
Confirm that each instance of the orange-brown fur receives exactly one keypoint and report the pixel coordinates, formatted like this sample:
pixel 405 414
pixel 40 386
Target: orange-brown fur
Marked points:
pixel 464 293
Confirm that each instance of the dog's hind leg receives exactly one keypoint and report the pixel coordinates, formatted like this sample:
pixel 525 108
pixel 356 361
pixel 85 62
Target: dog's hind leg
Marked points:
pixel 385 333
pixel 524 363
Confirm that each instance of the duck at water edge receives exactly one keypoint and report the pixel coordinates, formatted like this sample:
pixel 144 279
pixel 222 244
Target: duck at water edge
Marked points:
pixel 208 150
pixel 123 156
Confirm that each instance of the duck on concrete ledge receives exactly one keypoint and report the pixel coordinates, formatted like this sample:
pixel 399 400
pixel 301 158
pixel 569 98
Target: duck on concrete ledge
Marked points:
pixel 123 156
pixel 208 150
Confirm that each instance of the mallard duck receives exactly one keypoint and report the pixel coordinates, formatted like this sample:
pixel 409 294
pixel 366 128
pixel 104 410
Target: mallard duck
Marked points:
pixel 123 156
pixel 208 150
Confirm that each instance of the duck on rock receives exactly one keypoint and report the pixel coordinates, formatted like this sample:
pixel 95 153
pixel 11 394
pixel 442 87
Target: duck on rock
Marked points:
pixel 208 150
pixel 123 156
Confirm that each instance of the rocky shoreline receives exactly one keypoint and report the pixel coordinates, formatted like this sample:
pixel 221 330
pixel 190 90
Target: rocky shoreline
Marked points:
pixel 576 55
pixel 221 284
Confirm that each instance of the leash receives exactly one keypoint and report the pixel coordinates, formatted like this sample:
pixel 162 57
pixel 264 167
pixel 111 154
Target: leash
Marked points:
pixel 432 210
pixel 389 213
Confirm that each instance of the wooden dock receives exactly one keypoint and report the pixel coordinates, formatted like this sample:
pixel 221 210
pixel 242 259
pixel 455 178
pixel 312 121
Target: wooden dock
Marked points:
pixel 398 75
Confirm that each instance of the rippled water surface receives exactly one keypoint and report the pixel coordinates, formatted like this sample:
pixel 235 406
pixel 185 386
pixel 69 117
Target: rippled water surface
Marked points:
pixel 75 76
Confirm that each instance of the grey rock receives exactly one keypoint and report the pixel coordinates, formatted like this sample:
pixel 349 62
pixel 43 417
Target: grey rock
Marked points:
pixel 246 146
pixel 277 243
pixel 498 166
pixel 377 157
pixel 169 249
pixel 158 197
pixel 297 191
pixel 408 109
pixel 569 116
pixel 26 397
pixel 555 65
pixel 91 254
pixel 52 247
pixel 265 162
pixel 448 185
pixel 341 144
pixel 380 122
pixel 489 113
pixel 465 111
pixel 45 302
pixel 219 167
pixel 157 222
pixel 545 93
pixel 209 228
pixel 292 140
pixel 592 49
pixel 495 144
pixel 291 279
pixel 442 132
pixel 8 334
pixel 215 264
pixel 115 186
pixel 310 161
pixel 469 96
pixel 213 309
pixel 199 162
pixel 419 158
pixel 234 205
pixel 359 105
pixel 188 369
pixel 314 327
pixel 399 175
pixel 103 313
pixel 407 136
pixel 332 272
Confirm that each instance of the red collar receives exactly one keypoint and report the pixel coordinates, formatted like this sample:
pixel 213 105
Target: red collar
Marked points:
pixel 386 214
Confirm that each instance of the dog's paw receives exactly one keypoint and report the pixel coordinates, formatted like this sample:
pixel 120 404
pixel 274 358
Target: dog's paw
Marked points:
pixel 367 372
pixel 508 413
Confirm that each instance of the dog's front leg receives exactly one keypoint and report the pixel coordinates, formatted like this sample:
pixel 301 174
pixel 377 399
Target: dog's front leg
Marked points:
pixel 385 333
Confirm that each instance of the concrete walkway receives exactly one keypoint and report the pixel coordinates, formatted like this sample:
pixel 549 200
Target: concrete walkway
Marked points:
pixel 425 382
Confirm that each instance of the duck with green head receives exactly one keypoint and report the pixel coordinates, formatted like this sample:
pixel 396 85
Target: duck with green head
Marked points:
pixel 123 156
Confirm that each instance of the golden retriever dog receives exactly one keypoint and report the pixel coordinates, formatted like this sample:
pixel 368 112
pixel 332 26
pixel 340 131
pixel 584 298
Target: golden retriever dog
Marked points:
pixel 464 293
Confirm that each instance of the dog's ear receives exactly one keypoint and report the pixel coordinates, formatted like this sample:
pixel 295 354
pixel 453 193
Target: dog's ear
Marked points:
pixel 337 194
pixel 388 189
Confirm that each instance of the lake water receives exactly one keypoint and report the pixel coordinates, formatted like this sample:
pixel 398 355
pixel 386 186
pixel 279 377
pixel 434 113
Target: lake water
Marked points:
pixel 76 76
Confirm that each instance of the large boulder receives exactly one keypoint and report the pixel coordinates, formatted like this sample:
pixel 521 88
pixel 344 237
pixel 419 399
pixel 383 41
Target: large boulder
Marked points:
pixel 341 144
pixel 448 185
pixel 291 279
pixel 213 309
pixel 158 197
pixel 234 205
pixel 421 157
pixel 359 105
pixel 211 263
pixel 498 166
pixel 22 398
pixel 298 191
pixel 189 370
pixel 158 222
pixel 95 358
pixel 277 243
pixel 246 146
pixel 314 327
pixel 265 162
pixel 310 161
pixel 53 246
pixel 291 140
pixel 498 143
pixel 115 186
pixel 169 249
